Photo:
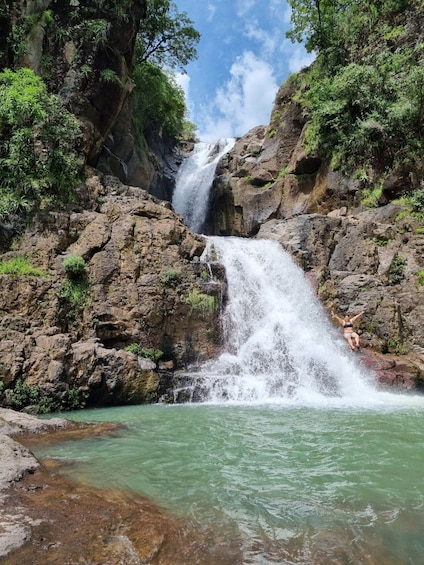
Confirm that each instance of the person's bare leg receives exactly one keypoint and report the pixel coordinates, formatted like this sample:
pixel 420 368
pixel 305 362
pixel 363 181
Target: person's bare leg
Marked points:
pixel 350 342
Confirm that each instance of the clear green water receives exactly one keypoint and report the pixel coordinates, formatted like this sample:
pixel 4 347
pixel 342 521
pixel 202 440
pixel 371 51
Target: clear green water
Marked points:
pixel 289 484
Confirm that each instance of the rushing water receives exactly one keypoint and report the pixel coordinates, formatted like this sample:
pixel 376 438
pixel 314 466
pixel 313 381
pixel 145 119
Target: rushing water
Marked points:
pixel 293 456
pixel 280 346
pixel 287 484
pixel 194 181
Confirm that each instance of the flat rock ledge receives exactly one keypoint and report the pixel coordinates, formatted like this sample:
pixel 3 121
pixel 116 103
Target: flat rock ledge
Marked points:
pixel 16 461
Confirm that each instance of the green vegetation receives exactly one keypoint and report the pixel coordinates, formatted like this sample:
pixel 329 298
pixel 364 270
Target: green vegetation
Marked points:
pixel 157 102
pixel 282 173
pixel 19 266
pixel 170 277
pixel 22 29
pixel 412 206
pixel 397 269
pixel 167 37
pixel 108 75
pixel 396 346
pixel 381 241
pixel 417 204
pixel 372 327
pixel 145 352
pixel 201 304
pixel 76 293
pixel 420 276
pixel 371 196
pixel 75 290
pixel 23 395
pixel 75 266
pixel 363 98
pixel 39 163
pixel 96 30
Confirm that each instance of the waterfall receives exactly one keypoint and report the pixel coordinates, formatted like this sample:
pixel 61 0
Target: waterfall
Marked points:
pixel 194 181
pixel 279 344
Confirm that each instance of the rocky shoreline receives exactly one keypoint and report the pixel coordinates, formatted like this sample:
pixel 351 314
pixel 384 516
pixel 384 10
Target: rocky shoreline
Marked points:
pixel 47 518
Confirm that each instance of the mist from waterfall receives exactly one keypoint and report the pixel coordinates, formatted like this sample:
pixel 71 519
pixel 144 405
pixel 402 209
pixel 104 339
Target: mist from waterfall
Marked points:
pixel 194 181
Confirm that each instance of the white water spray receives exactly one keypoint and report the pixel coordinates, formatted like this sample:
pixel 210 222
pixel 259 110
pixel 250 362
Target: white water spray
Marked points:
pixel 279 343
pixel 194 181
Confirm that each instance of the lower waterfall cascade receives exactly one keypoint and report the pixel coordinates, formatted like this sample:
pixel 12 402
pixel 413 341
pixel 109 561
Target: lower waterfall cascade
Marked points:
pixel 279 344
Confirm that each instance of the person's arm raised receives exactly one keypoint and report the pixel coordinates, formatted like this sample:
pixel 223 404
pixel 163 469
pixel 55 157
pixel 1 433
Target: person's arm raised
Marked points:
pixel 357 316
pixel 340 320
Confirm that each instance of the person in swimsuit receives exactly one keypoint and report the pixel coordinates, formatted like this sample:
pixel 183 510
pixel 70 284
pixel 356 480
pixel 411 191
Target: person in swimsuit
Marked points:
pixel 348 332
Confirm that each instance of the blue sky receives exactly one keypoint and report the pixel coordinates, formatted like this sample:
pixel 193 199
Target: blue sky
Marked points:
pixel 244 57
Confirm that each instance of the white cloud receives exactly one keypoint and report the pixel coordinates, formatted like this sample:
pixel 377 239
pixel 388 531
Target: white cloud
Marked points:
pixel 211 11
pixel 296 56
pixel 266 39
pixel 243 102
pixel 183 80
pixel 244 6
pixel 280 11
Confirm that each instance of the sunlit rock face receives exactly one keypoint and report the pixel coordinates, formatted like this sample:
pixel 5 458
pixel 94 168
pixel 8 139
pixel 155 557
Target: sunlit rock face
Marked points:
pixel 142 267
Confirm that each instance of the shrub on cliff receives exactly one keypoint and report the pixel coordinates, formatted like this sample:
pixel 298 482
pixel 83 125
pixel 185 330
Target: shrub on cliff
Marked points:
pixel 75 266
pixel 39 162
pixel 364 95
pixel 75 290
pixel 33 398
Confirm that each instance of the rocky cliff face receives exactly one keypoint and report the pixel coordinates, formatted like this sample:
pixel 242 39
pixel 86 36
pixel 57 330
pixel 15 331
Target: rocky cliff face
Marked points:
pixel 143 272
pixel 143 266
pixel 356 258
pixel 85 51
pixel 153 170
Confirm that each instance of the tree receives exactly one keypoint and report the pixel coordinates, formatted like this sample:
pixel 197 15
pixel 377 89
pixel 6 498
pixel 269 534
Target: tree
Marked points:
pixel 167 37
pixel 313 22
pixel 38 144
pixel 324 25
pixel 158 102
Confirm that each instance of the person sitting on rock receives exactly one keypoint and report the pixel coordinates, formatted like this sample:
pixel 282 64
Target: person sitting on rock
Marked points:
pixel 348 332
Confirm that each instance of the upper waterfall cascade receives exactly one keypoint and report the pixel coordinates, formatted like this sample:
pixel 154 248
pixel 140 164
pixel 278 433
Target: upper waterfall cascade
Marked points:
pixel 194 181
